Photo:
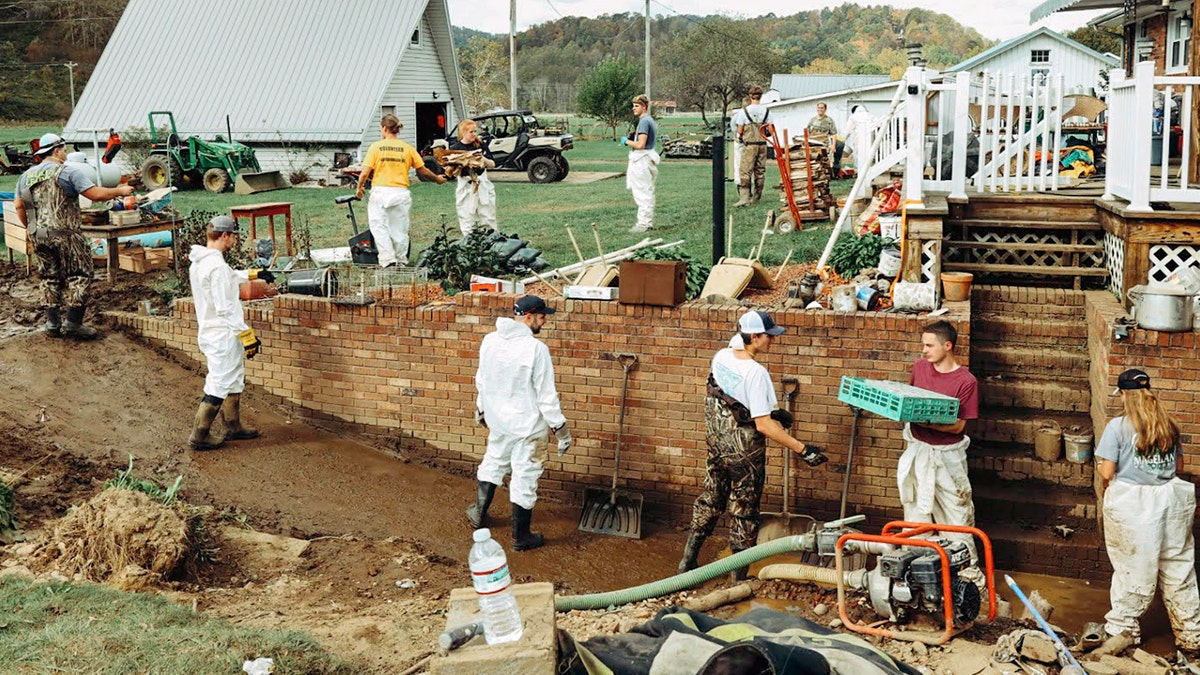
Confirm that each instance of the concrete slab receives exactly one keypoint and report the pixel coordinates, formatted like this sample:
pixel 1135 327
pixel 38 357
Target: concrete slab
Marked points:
pixel 573 178
pixel 534 654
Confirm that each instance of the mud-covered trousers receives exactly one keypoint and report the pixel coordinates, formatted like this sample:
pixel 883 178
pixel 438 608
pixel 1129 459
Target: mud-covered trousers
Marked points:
pixel 737 463
pixel 64 267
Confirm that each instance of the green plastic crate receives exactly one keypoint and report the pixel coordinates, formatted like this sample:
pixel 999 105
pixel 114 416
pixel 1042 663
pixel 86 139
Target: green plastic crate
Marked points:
pixel 898 401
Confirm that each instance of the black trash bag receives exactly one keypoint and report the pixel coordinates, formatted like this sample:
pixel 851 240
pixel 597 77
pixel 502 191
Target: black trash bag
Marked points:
pixel 524 257
pixel 505 249
pixel 540 264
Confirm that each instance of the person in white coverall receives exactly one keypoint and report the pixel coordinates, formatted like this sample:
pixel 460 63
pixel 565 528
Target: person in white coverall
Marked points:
pixel 223 336
pixel 1148 513
pixel 518 403
pixel 859 135
pixel 643 164
pixel 386 165
pixel 475 195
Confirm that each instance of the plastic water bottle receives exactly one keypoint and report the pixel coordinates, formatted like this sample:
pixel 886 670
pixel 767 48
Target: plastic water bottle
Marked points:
pixel 498 607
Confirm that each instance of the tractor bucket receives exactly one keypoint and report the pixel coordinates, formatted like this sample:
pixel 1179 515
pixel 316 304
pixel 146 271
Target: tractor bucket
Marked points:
pixel 262 181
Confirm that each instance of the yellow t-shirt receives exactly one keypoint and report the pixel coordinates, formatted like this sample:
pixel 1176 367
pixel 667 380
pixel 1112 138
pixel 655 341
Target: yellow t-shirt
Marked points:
pixel 391 159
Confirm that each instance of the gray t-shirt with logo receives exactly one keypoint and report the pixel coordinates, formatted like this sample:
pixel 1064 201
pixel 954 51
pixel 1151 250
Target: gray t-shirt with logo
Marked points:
pixel 1117 444
pixel 647 125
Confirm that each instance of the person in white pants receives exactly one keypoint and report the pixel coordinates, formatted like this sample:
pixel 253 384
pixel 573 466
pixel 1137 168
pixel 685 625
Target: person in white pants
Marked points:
pixel 1148 514
pixel 387 165
pixel 518 403
pixel 475 195
pixel 860 134
pixel 643 164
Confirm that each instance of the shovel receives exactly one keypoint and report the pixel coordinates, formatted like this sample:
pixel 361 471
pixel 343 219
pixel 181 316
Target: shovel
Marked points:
pixel 615 512
pixel 784 523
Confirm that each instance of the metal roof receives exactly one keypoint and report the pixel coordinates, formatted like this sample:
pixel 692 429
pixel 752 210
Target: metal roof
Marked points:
pixel 1051 6
pixel 975 61
pixel 802 86
pixel 282 70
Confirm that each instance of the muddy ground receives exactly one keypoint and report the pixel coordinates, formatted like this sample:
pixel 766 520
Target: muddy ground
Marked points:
pixel 386 537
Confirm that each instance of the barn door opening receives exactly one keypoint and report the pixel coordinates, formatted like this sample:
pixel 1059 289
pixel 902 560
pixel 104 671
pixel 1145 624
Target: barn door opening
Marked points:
pixel 431 124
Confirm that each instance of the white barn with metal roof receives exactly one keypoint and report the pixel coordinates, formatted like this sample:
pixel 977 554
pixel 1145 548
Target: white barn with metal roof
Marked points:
pixel 296 79
pixel 1042 52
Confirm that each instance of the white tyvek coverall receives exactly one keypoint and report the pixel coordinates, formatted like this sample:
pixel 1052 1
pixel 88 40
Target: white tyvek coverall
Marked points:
pixel 515 384
pixel 639 178
pixel 220 318
pixel 1148 534
pixel 475 201
pixel 934 487
pixel 387 213
pixel 859 136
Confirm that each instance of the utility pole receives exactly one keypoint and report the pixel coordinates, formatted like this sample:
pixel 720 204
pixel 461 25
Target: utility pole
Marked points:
pixel 71 75
pixel 512 53
pixel 647 49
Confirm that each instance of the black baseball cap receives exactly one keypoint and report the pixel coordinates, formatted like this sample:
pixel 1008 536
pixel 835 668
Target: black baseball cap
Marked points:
pixel 755 322
pixel 1132 379
pixel 531 304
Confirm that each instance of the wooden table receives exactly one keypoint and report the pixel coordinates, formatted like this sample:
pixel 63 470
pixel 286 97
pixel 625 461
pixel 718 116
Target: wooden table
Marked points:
pixel 268 211
pixel 110 233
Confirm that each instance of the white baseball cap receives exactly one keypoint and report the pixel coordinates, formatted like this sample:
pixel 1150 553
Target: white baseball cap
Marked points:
pixel 47 143
pixel 755 322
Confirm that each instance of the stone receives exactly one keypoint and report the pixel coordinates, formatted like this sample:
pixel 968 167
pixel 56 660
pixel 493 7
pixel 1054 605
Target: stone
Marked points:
pixel 1003 609
pixel 1042 605
pixel 534 654
pixel 1039 648
pixel 920 650
pixel 16 572
pixel 836 623
pixel 821 609
pixel 1097 668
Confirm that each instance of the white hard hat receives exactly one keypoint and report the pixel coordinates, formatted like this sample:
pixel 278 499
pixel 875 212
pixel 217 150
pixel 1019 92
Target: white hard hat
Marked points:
pixel 47 143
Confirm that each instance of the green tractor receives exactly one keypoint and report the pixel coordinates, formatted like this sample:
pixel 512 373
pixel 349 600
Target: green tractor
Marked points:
pixel 218 165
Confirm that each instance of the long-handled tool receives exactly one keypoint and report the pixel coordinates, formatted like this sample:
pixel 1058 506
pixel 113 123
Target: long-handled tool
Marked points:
pixel 1065 659
pixel 785 523
pixel 849 460
pixel 362 244
pixel 616 512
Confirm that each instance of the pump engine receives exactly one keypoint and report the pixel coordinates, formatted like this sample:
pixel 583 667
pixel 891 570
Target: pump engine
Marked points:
pixel 909 579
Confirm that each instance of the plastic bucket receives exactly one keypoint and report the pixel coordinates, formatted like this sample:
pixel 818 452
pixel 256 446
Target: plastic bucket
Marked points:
pixel 1079 445
pixel 889 225
pixel 889 262
pixel 956 286
pixel 1048 442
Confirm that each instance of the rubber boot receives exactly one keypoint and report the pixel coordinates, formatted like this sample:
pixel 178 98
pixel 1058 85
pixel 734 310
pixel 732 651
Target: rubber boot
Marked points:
pixel 201 439
pixel 74 328
pixel 756 194
pixel 690 553
pixel 523 539
pixel 477 512
pixel 231 411
pixel 743 196
pixel 740 573
pixel 53 322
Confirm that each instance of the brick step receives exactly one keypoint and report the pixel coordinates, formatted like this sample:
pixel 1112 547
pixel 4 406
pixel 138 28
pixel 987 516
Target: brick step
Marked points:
pixel 992 328
pixel 1016 462
pixel 1034 503
pixel 1032 392
pixel 1039 551
pixel 1014 363
pixel 1018 426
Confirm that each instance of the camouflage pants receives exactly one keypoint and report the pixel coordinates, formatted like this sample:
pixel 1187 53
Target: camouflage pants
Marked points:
pixel 752 167
pixel 64 267
pixel 737 458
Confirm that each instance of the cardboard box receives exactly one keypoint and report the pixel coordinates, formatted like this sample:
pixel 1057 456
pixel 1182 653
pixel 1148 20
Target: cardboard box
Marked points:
pixel 653 282
pixel 491 285
pixel 137 260
pixel 124 217
pixel 591 292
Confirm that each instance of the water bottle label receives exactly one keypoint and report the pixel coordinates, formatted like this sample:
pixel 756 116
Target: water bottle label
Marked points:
pixel 494 581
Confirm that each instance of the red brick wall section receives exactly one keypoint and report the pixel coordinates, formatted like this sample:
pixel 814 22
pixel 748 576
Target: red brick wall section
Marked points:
pixel 408 373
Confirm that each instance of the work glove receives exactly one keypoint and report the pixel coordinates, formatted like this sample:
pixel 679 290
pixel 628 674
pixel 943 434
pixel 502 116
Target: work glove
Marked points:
pixel 564 439
pixel 479 419
pixel 624 141
pixel 250 342
pixel 262 274
pixel 813 455
pixel 784 417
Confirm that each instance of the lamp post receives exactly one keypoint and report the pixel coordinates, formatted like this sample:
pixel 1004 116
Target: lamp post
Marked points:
pixel 913 52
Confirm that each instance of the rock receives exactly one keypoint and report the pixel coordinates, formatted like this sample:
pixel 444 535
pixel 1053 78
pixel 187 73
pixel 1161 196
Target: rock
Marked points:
pixel 16 572
pixel 1039 648
pixel 919 649
pixel 820 609
pixel 1043 607
pixel 836 623
pixel 1148 659
pixel 1003 609
pixel 1097 668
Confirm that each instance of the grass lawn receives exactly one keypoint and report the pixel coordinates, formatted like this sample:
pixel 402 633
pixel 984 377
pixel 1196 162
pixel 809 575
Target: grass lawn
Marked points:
pixel 539 213
pixel 84 628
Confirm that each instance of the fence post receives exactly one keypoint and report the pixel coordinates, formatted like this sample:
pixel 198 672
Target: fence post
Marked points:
pixel 914 169
pixel 1141 128
pixel 1115 75
pixel 962 132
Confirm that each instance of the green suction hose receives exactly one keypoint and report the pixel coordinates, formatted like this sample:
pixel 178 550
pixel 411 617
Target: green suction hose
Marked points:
pixel 679 582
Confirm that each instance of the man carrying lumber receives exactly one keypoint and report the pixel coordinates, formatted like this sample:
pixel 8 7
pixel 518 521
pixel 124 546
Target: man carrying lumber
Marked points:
pixel 740 415
pixel 752 164
pixel 643 163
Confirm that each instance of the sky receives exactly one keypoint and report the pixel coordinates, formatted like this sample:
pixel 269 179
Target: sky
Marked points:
pixel 994 19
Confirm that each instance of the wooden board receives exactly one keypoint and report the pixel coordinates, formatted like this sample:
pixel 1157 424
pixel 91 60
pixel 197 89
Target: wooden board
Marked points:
pixel 727 280
pixel 759 278
pixel 598 275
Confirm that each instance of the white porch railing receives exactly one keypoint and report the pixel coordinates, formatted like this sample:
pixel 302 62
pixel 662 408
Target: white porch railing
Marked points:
pixel 1135 128
pixel 1020 130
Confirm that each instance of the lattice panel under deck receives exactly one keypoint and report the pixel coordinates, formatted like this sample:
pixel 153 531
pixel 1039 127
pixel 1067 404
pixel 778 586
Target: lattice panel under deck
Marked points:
pixel 1114 249
pixel 1166 259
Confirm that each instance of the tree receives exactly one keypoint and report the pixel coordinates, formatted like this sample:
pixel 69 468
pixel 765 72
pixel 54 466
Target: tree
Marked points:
pixel 483 65
pixel 1094 38
pixel 716 64
pixel 606 92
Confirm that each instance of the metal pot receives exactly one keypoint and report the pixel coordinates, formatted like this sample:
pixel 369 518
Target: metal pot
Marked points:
pixel 1162 308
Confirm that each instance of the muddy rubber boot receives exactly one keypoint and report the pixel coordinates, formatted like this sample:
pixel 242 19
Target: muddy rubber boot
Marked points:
pixel 743 196
pixel 53 322
pixel 231 411
pixel 74 328
pixel 523 539
pixel 740 573
pixel 206 414
pixel 756 194
pixel 690 553
pixel 477 512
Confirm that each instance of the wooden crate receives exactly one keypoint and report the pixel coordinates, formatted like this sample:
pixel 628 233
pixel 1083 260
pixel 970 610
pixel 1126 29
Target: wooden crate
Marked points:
pixel 140 260
pixel 15 235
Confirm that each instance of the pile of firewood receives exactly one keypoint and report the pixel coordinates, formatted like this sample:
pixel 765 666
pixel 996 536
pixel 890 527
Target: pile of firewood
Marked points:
pixel 804 161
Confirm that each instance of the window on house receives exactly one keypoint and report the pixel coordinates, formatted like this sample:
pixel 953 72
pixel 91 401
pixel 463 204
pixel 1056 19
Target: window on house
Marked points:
pixel 1039 56
pixel 416 37
pixel 1179 39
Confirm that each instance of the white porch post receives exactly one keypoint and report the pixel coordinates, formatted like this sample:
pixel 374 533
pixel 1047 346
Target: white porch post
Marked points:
pixel 1115 75
pixel 962 130
pixel 1141 129
pixel 914 169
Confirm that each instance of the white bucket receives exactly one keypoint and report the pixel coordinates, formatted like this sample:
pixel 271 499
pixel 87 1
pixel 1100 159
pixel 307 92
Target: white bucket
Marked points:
pixel 889 225
pixel 889 262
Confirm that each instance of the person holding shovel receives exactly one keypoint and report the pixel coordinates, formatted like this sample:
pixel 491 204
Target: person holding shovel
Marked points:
pixel 518 403
pixel 643 163
pixel 1148 514
pixel 740 415
pixel 387 165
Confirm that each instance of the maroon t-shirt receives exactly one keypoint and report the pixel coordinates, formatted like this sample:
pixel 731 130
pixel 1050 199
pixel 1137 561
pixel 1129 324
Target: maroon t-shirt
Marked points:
pixel 960 384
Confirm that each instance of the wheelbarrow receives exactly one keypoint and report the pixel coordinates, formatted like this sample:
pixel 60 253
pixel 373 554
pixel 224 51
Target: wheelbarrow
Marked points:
pixel 615 512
